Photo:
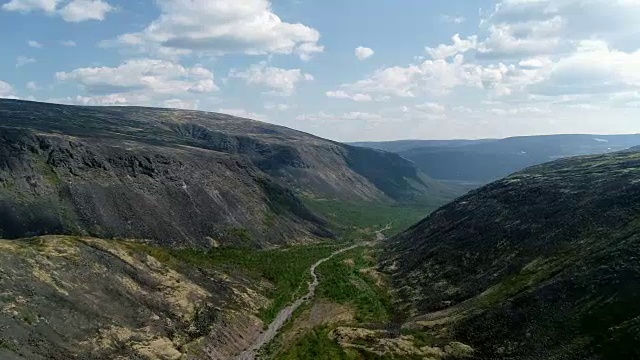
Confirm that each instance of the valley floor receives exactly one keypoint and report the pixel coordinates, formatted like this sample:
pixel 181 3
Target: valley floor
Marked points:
pixel 68 297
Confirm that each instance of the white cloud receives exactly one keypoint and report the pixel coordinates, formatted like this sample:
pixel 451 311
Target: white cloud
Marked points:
pixel 397 80
pixel 73 11
pixel 324 117
pixel 222 27
pixel 83 10
pixel 594 68
pixel 507 40
pixel 341 94
pixel 181 104
pixel 280 81
pixel 462 109
pixel 31 5
pixel 105 100
pixel 32 85
pixel 431 76
pixel 535 63
pixel 34 44
pixel 242 113
pixel 24 60
pixel 140 82
pixel 307 50
pixel 68 43
pixel 363 53
pixel 535 27
pixel 6 90
pixel 440 77
pixel 459 47
pixel 529 110
pixel 359 115
pixel 279 107
pixel 453 19
pixel 431 107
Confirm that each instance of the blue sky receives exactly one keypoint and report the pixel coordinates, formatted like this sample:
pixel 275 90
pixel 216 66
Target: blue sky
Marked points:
pixel 342 69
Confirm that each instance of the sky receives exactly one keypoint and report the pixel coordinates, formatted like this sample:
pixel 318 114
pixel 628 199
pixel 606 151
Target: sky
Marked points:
pixel 347 70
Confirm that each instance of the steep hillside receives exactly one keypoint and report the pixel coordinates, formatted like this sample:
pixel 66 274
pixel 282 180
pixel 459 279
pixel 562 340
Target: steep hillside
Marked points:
pixel 540 265
pixel 482 161
pixel 180 177
pixel 85 298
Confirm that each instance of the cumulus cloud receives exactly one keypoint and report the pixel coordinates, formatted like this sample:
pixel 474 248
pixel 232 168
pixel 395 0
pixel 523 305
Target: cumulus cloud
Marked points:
pixel 363 53
pixel 431 107
pixel 24 60
pixel 529 110
pixel 440 77
pixel 324 117
pixel 222 27
pixel 433 76
pixel 83 10
pixel 594 68
pixel 140 81
pixel 156 76
pixel 31 5
pixel 32 85
pixel 73 11
pixel 242 113
pixel 535 63
pixel 531 48
pixel 341 94
pixel 524 39
pixel 6 90
pixel 522 27
pixel 459 46
pixel 279 107
pixel 181 104
pixel 462 109
pixel 34 44
pixel 307 50
pixel 103 100
pixel 280 81
pixel 68 43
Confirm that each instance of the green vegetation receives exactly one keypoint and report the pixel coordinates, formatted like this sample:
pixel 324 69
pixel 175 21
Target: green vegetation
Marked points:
pixel 319 346
pixel 347 279
pixel 350 219
pixel 287 268
pixel 532 275
pixel 7 346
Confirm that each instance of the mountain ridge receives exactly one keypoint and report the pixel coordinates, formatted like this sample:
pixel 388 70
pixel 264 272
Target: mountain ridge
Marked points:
pixel 181 178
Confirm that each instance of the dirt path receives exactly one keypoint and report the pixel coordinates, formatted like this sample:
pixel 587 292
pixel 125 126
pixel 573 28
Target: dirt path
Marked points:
pixel 285 314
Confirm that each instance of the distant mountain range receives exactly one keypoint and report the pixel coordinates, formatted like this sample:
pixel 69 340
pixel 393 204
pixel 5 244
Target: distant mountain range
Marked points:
pixel 482 161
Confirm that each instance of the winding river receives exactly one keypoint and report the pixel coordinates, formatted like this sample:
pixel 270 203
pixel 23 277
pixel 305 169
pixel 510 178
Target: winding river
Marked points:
pixel 285 314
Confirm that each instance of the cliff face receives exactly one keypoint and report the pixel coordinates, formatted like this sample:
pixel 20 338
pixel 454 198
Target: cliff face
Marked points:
pixel 540 265
pixel 179 177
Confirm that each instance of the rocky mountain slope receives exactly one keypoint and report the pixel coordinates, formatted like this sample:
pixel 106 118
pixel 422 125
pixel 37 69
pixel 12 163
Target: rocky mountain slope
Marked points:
pixel 181 177
pixel 85 298
pixel 540 265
